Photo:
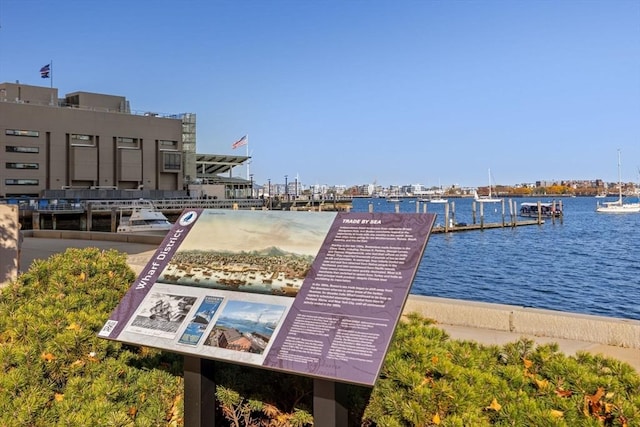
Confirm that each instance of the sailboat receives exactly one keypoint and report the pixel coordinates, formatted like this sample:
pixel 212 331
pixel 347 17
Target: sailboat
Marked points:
pixel 437 197
pixel 618 206
pixel 489 198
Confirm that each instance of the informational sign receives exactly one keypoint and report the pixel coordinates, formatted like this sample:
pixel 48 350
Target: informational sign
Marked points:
pixel 311 293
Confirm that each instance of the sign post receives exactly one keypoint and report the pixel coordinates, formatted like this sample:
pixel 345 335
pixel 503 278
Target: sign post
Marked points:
pixel 329 404
pixel 199 392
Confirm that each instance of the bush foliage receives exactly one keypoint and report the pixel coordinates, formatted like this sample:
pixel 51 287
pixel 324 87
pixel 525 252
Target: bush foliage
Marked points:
pixel 55 371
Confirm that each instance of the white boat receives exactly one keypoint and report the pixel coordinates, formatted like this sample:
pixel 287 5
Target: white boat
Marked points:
pixel 489 198
pixel 618 206
pixel 144 220
pixel 438 199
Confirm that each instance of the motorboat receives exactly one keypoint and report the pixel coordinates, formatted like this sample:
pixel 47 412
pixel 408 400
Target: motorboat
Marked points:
pixel 144 220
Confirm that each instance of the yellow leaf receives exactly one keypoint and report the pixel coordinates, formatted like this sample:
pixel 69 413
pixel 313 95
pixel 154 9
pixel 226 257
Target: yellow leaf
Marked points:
pixel 495 406
pixel 48 357
pixel 434 359
pixel 557 414
pixel 83 276
pixel 542 384
pixel 111 274
pixel 74 327
pixel 436 419
pixel 527 363
pixel 59 397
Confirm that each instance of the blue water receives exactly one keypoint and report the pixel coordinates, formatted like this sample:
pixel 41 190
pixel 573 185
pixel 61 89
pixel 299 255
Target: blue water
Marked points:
pixel 588 263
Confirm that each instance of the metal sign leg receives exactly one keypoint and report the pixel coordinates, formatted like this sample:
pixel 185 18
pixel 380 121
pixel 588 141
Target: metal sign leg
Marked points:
pixel 199 392
pixel 329 404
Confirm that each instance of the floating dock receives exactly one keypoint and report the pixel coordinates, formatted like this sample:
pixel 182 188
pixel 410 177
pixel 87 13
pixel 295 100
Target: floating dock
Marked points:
pixel 509 217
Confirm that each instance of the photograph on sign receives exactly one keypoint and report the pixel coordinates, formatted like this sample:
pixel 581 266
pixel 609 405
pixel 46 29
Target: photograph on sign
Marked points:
pixel 200 320
pixel 161 314
pixel 245 326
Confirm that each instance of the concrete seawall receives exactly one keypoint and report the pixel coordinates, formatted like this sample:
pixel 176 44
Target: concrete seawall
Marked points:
pixel 528 321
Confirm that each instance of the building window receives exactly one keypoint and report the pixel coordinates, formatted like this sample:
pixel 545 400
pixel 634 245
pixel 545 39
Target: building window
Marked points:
pixel 17 132
pixel 165 145
pixel 10 165
pixel 172 162
pixel 125 142
pixel 14 149
pixel 82 140
pixel 21 182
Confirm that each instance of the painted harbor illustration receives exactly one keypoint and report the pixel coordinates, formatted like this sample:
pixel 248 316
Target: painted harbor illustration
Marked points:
pixel 270 271
pixel 248 251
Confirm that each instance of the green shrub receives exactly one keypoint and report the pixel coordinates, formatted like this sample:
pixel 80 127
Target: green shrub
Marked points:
pixel 55 371
pixel 428 379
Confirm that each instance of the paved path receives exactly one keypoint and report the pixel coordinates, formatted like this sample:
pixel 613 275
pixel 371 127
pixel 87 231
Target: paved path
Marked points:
pixel 42 248
pixel 139 254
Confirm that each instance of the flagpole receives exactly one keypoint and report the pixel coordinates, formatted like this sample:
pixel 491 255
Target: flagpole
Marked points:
pixel 248 160
pixel 51 73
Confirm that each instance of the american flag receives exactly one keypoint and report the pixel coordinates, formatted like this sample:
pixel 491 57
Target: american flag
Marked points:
pixel 239 143
pixel 44 71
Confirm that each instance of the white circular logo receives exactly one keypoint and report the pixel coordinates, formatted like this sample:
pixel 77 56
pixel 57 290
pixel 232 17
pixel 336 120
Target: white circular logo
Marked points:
pixel 188 218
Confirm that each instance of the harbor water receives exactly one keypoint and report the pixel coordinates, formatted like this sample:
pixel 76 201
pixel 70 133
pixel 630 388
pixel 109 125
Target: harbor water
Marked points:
pixel 587 263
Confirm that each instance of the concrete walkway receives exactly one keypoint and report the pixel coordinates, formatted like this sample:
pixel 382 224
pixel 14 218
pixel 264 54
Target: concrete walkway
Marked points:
pixel 460 319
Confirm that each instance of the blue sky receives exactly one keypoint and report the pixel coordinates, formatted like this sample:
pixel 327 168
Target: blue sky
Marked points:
pixel 353 92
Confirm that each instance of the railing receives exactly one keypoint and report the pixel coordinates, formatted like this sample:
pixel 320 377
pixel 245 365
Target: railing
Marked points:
pixel 165 205
pixel 174 204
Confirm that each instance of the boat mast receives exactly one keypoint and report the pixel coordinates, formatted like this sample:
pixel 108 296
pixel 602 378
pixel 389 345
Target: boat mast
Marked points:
pixel 619 180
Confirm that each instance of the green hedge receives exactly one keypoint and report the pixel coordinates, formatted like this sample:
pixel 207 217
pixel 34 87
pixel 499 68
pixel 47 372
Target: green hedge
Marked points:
pixel 55 371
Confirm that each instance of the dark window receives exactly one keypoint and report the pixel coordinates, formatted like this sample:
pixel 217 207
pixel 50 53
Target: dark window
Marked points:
pixel 82 140
pixel 168 145
pixel 14 149
pixel 172 161
pixel 21 182
pixel 10 165
pixel 126 142
pixel 18 132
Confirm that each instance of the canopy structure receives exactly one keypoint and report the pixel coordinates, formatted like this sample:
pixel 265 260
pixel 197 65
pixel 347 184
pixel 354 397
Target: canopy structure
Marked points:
pixel 210 167
pixel 217 169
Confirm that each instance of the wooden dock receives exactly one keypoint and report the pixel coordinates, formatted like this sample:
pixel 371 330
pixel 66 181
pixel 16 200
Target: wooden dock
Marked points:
pixel 509 218
pixel 484 226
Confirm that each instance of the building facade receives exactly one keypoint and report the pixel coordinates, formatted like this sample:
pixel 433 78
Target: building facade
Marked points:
pixel 88 141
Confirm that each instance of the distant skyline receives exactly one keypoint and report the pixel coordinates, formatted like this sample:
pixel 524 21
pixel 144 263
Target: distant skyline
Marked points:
pixel 348 92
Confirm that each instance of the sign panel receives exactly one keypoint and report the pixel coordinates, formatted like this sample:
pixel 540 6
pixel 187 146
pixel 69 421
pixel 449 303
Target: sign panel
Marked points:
pixel 312 293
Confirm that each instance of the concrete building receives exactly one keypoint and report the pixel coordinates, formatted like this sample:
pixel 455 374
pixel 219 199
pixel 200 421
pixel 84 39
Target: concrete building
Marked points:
pixel 88 141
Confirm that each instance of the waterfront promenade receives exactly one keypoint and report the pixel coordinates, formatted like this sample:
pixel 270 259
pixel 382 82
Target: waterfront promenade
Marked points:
pixel 490 324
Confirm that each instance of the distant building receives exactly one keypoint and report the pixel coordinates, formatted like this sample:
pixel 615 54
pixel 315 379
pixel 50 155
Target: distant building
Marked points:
pixel 89 144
